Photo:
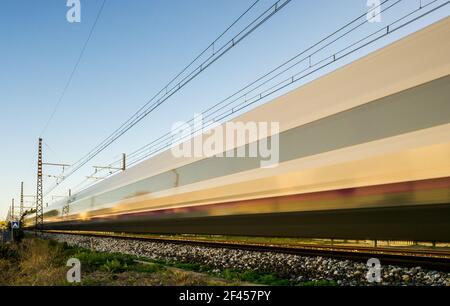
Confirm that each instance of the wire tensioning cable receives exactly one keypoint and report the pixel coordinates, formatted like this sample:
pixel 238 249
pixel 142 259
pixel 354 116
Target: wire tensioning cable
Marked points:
pixel 164 141
pixel 74 69
pixel 342 53
pixel 161 138
pixel 165 93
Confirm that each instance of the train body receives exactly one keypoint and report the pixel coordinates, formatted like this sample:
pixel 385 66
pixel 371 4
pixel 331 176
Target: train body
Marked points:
pixel 363 153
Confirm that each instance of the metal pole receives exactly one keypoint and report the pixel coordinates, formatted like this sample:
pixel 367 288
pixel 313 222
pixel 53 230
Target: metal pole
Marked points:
pixel 39 191
pixel 12 220
pixel 124 164
pixel 21 201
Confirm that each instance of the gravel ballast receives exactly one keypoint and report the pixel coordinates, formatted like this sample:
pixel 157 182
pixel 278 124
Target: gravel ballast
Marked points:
pixel 293 267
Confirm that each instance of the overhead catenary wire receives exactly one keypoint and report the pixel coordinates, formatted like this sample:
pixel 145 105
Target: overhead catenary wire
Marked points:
pixel 163 142
pixel 74 69
pixel 168 93
pixel 267 74
pixel 136 156
pixel 165 93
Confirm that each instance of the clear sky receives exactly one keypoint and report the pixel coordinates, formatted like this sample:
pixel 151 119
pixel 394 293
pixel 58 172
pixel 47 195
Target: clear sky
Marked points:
pixel 136 47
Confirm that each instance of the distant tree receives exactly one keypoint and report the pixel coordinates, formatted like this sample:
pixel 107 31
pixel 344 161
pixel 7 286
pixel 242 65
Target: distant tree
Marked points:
pixel 28 212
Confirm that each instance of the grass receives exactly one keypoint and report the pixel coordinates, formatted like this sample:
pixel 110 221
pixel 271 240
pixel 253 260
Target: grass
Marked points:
pixel 36 261
pixel 31 262
pixel 43 262
pixel 248 276
pixel 8 253
pixel 254 277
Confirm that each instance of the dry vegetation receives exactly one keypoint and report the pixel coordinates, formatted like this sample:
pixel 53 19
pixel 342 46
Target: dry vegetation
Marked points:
pixel 38 262
pixel 32 262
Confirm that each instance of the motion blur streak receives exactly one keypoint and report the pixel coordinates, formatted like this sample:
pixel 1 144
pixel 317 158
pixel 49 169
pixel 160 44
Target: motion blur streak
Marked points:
pixel 364 153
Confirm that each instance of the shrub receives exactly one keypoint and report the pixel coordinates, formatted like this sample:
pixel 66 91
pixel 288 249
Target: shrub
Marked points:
pixel 6 252
pixel 107 261
pixel 114 266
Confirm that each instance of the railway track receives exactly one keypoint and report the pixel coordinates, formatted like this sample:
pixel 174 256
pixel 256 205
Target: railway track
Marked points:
pixel 428 259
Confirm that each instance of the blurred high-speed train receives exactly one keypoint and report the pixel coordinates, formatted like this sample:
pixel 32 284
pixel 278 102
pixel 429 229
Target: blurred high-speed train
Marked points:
pixel 364 153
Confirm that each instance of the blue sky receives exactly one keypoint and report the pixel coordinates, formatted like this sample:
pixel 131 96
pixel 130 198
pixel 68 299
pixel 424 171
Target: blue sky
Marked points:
pixel 136 47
